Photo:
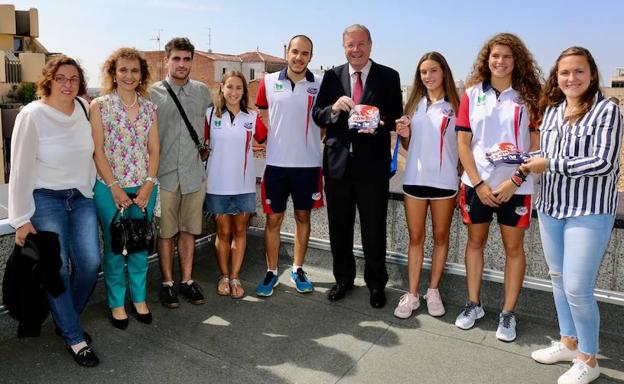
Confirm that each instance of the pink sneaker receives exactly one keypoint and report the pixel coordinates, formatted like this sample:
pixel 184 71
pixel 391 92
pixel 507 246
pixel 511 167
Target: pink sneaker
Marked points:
pixel 434 303
pixel 407 304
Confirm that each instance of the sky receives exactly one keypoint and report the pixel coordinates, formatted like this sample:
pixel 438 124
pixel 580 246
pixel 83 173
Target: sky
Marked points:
pixel 402 31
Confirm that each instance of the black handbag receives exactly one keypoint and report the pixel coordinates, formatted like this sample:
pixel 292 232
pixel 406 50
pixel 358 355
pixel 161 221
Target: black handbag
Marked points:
pixel 131 235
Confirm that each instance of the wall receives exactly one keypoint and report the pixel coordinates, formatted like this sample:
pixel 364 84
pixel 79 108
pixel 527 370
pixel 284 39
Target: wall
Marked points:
pixel 32 63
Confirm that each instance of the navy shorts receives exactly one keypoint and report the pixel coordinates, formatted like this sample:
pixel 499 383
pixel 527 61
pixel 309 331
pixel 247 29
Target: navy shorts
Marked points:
pixel 514 213
pixel 305 185
pixel 230 204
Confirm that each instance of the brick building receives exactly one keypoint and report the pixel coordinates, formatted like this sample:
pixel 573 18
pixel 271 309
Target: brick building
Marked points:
pixel 209 67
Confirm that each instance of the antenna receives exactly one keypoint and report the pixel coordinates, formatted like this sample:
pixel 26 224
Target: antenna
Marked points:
pixel 157 38
pixel 161 63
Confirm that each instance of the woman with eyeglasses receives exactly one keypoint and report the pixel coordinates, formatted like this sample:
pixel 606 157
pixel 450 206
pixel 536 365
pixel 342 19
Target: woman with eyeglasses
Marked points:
pixel 51 189
pixel 127 149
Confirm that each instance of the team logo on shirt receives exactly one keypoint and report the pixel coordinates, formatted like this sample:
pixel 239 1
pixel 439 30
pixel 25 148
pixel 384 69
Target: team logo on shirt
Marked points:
pixel 316 196
pixel 521 211
pixel 481 99
pixel 217 123
pixel 248 125
pixel 268 201
pixel 279 87
pixel 518 100
pixel 448 112
pixel 467 208
pixel 312 90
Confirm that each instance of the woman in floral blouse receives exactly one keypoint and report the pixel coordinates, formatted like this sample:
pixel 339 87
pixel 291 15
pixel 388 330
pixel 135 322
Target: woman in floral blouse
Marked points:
pixel 125 133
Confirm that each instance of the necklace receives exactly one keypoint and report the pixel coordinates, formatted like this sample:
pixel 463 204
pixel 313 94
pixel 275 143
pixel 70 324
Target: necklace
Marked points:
pixel 136 98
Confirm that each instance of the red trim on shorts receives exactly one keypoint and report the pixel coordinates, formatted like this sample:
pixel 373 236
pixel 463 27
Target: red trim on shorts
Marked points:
pixel 526 219
pixel 462 204
pixel 265 206
pixel 319 189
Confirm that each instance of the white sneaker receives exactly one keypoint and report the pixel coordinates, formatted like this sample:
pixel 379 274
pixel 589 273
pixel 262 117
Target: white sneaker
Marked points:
pixel 407 304
pixel 555 353
pixel 434 303
pixel 506 327
pixel 580 373
pixel 469 314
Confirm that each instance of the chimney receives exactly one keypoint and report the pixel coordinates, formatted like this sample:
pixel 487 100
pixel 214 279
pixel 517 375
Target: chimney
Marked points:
pixel 285 53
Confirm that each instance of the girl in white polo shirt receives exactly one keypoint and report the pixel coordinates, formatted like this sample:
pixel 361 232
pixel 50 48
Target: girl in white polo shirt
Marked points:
pixel 500 102
pixel 430 178
pixel 231 187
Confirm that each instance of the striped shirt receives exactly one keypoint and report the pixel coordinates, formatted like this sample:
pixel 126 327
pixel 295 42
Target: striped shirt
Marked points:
pixel 583 171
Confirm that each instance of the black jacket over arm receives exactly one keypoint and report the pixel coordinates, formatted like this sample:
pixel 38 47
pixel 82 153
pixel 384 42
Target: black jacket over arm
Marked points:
pixel 370 157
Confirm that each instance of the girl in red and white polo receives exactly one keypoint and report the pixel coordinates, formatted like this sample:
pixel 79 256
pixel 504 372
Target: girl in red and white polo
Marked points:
pixel 499 105
pixel 430 178
pixel 231 186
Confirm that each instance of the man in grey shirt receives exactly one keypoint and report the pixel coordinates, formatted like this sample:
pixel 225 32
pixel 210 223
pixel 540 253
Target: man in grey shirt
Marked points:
pixel 181 172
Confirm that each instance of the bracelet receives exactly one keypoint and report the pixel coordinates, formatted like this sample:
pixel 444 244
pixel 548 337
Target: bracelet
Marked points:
pixel 480 183
pixel 516 181
pixel 520 175
pixel 112 184
pixel 152 179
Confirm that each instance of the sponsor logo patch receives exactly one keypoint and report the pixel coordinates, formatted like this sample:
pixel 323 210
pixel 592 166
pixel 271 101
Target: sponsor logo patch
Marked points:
pixel 268 201
pixel 248 125
pixel 521 211
pixel 467 208
pixel 312 90
pixel 481 99
pixel 518 100
pixel 279 87
pixel 448 112
pixel 217 123
pixel 316 196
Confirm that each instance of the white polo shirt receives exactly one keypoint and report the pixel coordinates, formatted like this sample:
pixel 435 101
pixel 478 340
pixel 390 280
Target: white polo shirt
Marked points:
pixel 494 119
pixel 432 156
pixel 294 140
pixel 230 166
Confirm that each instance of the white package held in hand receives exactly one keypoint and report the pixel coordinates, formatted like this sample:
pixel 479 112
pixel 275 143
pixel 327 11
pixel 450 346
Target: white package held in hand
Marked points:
pixel 364 117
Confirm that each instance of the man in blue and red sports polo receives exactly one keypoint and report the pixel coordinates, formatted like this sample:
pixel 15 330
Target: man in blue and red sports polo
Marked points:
pixel 293 162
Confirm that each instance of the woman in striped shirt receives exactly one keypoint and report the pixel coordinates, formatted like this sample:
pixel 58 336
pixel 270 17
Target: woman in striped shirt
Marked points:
pixel 581 136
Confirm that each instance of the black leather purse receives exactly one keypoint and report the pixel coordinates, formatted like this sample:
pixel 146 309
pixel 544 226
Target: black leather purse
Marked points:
pixel 131 235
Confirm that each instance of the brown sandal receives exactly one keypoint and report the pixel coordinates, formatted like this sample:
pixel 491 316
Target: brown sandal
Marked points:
pixel 236 289
pixel 223 286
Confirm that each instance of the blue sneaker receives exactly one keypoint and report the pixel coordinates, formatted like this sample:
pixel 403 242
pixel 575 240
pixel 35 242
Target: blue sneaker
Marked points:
pixel 300 279
pixel 265 288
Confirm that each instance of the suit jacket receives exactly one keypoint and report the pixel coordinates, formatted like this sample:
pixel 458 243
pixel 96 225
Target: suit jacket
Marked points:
pixel 30 272
pixel 369 159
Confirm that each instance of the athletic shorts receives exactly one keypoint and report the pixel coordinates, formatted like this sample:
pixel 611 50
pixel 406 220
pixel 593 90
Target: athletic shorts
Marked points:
pixel 181 213
pixel 514 213
pixel 422 192
pixel 305 185
pixel 230 204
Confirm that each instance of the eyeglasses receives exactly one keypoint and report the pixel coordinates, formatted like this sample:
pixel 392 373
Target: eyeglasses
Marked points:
pixel 60 79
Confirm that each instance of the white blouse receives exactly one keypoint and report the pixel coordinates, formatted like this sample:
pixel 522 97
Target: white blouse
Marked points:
pixel 51 150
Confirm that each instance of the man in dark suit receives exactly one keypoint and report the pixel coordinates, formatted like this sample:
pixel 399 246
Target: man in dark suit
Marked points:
pixel 356 163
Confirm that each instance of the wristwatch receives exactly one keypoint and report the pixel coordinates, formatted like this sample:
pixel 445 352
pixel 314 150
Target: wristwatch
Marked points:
pixel 152 179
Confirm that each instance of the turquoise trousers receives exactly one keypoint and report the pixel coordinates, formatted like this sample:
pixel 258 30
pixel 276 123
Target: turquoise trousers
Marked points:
pixel 114 265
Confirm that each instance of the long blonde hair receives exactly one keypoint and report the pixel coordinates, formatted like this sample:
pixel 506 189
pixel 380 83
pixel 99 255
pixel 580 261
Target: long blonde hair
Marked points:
pixel 220 99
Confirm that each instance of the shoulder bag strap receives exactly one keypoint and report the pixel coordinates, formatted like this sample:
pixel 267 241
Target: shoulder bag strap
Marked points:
pixel 83 108
pixel 190 128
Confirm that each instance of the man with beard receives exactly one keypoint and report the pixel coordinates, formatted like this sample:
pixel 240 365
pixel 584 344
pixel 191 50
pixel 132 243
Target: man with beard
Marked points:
pixel 181 172
pixel 293 163
pixel 356 163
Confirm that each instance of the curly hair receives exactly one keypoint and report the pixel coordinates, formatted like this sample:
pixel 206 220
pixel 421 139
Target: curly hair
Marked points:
pixel 49 71
pixel 552 94
pixel 110 68
pixel 220 99
pixel 419 89
pixel 526 75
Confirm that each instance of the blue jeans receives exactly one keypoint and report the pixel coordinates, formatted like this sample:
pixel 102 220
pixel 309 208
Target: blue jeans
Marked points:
pixel 72 216
pixel 574 248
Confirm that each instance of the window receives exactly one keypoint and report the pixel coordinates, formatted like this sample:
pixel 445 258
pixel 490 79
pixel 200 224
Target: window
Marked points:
pixel 18 44
pixel 252 74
